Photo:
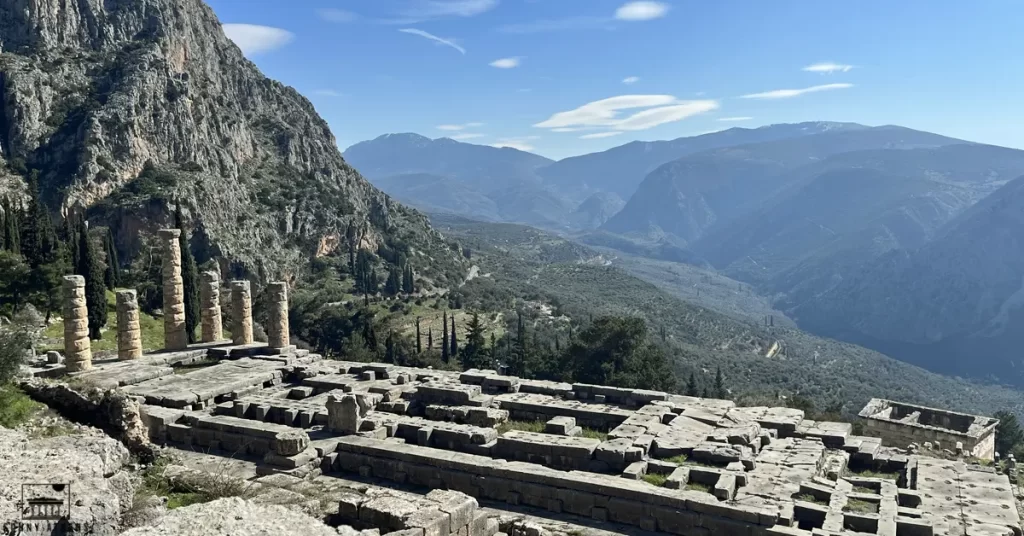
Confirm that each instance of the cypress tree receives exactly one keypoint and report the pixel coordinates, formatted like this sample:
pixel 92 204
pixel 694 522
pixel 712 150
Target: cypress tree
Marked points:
pixel 419 344
pixel 12 231
pixel 392 286
pixel 430 338
pixel 408 285
pixel 691 386
pixel 43 251
pixel 454 350
pixel 3 226
pixel 705 393
pixel 95 291
pixel 112 277
pixel 519 357
pixel 719 384
pixel 189 280
pixel 444 337
pixel 389 347
pixel 494 348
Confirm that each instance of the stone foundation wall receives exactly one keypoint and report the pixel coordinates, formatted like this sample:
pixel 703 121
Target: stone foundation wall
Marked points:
pixel 894 434
pixel 600 497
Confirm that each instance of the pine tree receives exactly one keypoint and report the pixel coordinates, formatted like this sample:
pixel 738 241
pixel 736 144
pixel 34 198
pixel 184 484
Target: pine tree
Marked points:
pixel 112 277
pixel 12 231
pixel 691 386
pixel 705 393
pixel 189 280
pixel 393 285
pixel 454 347
pixel 95 291
pixel 473 353
pixel 519 353
pixel 720 391
pixel 444 337
pixel 419 344
pixel 494 348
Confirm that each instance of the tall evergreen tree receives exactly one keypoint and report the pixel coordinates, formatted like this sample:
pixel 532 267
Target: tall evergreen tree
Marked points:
pixel 43 251
pixel 112 277
pixel 419 343
pixel 189 279
pixel 408 285
pixel 454 346
pixel 12 223
pixel 691 386
pixel 518 357
pixel 720 391
pixel 393 285
pixel 389 348
pixel 494 348
pixel 474 353
pixel 444 337
pixel 95 291
pixel 705 393
pixel 430 338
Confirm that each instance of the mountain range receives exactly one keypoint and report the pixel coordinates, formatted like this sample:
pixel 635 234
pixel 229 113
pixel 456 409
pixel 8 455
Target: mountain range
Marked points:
pixel 832 221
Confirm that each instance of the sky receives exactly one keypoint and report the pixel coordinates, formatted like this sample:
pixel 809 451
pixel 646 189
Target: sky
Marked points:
pixel 566 77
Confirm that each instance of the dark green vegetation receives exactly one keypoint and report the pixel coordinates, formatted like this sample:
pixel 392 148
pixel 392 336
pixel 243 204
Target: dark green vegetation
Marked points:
pixel 556 283
pixel 655 479
pixel 1009 435
pixel 189 487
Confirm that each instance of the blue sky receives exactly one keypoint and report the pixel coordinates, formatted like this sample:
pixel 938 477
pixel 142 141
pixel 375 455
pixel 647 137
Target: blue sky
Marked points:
pixel 567 77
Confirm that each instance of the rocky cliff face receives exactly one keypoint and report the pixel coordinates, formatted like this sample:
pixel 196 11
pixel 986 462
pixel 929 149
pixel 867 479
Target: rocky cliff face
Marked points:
pixel 96 93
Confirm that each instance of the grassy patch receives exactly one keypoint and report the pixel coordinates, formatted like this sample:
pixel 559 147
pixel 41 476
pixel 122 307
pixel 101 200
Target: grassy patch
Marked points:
pixel 655 479
pixel 594 434
pixel 861 506
pixel 522 426
pixel 697 486
pixel 189 488
pixel 678 460
pixel 152 331
pixel 16 407
pixel 808 497
pixel 864 489
pixel 870 473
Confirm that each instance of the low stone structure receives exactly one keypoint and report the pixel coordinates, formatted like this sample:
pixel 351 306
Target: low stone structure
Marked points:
pixel 129 334
pixel 899 425
pixel 175 337
pixel 77 347
pixel 209 303
pixel 241 312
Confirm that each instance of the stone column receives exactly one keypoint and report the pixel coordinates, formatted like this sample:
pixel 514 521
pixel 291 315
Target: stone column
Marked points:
pixel 277 319
pixel 175 337
pixel 129 334
pixel 209 299
pixel 77 348
pixel 343 414
pixel 241 310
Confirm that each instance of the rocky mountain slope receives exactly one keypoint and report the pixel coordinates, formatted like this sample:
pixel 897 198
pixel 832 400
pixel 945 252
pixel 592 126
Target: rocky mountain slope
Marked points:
pixel 957 295
pixel 595 210
pixel 98 93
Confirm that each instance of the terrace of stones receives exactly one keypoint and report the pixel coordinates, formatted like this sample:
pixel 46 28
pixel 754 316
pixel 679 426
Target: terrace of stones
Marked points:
pixel 650 460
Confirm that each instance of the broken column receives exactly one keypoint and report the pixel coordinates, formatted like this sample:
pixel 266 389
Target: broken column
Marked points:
pixel 343 414
pixel 241 311
pixel 277 317
pixel 175 337
pixel 77 348
pixel 129 334
pixel 209 299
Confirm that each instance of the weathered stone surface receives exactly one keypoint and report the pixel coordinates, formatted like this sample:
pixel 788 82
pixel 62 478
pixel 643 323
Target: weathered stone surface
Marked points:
pixel 77 347
pixel 235 516
pixel 129 334
pixel 209 303
pixel 343 414
pixel 277 315
pixel 241 312
pixel 175 337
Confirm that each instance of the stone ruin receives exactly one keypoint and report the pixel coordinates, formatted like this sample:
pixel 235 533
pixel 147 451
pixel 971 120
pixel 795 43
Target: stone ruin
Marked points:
pixel 899 425
pixel 447 450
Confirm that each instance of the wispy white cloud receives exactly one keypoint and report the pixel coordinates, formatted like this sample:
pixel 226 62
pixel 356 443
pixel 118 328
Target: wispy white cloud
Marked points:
pixel 522 143
pixel 641 11
pixel 254 39
pixel 568 129
pixel 735 118
pixel 328 93
pixel 467 136
pixel 557 25
pixel 630 80
pixel 424 10
pixel 790 93
pixel 455 128
pixel 828 68
pixel 599 135
pixel 432 37
pixel 657 110
pixel 506 63
pixel 336 15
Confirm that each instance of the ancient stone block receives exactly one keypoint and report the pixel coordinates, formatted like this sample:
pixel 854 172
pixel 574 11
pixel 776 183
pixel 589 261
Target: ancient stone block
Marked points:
pixel 129 334
pixel 209 303
pixel 175 337
pixel 277 315
pixel 241 310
